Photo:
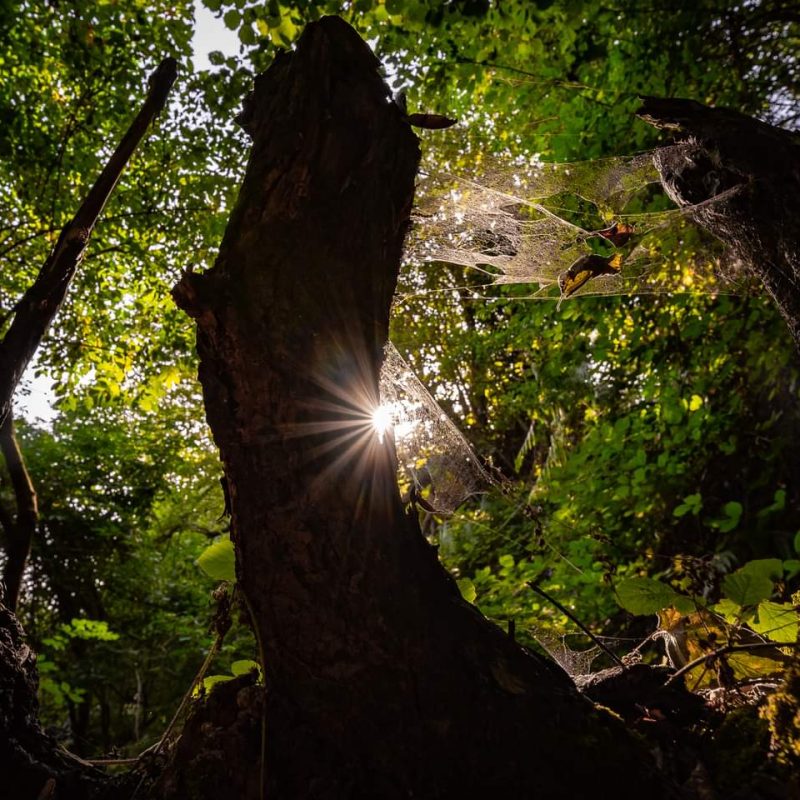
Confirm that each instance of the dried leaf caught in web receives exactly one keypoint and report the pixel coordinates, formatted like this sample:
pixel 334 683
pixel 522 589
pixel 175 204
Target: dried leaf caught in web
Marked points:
pixel 586 268
pixel 618 234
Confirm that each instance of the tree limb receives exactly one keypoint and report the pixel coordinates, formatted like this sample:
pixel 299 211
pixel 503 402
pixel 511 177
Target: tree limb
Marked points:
pixel 42 300
pixel 739 178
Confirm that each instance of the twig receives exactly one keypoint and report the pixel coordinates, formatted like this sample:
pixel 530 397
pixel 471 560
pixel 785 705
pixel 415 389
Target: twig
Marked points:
pixel 720 651
pixel 613 656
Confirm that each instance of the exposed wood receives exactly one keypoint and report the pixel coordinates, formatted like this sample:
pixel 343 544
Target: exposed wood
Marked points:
pixel 382 682
pixel 38 306
pixel 19 534
pixel 743 177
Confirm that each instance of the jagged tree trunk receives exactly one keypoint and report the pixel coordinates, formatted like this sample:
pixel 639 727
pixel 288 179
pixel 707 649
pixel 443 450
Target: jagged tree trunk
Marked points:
pixel 744 177
pixel 382 682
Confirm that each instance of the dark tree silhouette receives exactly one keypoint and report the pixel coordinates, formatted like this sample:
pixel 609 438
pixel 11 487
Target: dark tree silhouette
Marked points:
pixel 381 680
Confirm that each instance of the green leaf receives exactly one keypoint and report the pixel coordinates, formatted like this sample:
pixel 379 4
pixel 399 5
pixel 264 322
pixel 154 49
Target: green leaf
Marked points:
pixel 776 621
pixel 791 567
pixel 218 561
pixel 210 681
pixel 691 503
pixel 245 666
pixel 247 35
pixel 90 629
pixel 771 568
pixel 778 503
pixel 746 588
pixel 730 611
pixel 684 604
pixel 231 19
pixel 797 542
pixel 733 513
pixel 467 589
pixel 646 595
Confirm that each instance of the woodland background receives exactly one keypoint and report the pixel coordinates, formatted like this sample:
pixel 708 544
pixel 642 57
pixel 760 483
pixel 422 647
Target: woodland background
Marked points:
pixel 638 434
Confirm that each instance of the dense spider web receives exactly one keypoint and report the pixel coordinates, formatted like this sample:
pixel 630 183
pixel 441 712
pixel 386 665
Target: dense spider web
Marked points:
pixel 525 221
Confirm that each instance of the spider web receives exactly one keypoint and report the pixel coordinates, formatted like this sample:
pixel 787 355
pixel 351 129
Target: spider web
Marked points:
pixel 573 662
pixel 522 221
pixel 525 221
pixel 434 457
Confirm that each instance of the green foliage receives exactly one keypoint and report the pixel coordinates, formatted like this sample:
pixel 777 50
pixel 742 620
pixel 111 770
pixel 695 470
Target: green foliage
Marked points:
pixel 702 632
pixel 753 582
pixel 218 561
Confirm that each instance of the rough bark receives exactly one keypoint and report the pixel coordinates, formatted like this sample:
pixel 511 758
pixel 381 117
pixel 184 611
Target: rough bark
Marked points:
pixel 746 175
pixel 20 531
pixel 381 680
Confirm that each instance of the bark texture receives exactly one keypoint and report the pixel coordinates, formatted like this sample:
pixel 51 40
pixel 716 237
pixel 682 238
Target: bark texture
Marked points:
pixel 19 532
pixel 32 765
pixel 381 681
pixel 753 171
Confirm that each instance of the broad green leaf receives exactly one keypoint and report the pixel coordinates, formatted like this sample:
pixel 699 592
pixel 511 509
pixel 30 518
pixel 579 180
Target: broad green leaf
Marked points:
pixel 746 588
pixel 646 595
pixel 752 664
pixel 776 621
pixel 218 561
pixel 771 568
pixel 730 611
pixel 684 604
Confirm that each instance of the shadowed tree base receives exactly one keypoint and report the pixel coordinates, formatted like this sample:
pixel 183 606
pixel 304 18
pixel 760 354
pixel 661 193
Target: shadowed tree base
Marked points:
pixel 381 681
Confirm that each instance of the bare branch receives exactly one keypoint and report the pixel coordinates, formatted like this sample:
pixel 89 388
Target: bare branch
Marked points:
pixel 41 302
